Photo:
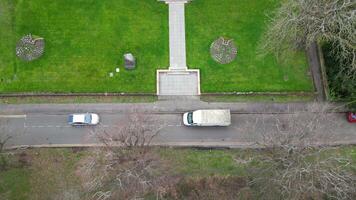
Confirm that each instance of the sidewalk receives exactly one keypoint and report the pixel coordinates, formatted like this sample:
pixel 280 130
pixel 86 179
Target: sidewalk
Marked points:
pixel 177 51
pixel 171 106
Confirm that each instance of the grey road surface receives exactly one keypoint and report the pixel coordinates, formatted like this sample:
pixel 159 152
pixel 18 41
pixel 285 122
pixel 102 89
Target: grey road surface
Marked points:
pixel 246 129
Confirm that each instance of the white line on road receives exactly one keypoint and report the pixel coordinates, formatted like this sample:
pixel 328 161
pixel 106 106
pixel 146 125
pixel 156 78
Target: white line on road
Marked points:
pixel 105 126
pixel 48 126
pixel 116 126
pixel 12 116
pixel 170 125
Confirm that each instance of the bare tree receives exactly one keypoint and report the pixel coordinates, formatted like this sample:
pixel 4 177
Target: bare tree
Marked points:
pixel 124 168
pixel 4 138
pixel 296 167
pixel 136 130
pixel 301 22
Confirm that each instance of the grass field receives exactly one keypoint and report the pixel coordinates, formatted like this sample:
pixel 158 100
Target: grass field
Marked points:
pixel 256 98
pixel 86 39
pixel 244 21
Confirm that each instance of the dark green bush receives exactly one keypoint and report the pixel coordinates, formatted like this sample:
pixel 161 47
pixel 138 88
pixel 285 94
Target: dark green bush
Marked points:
pixel 341 77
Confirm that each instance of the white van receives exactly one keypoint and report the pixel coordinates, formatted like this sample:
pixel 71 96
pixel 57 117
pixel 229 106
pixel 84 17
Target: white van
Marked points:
pixel 207 118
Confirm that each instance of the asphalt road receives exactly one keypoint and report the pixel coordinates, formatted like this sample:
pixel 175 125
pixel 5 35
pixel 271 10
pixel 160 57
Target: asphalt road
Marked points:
pixel 246 129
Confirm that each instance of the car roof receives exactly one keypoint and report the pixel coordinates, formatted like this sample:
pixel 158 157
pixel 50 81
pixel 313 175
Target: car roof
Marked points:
pixel 79 118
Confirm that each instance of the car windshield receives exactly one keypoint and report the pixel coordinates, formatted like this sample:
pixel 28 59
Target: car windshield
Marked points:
pixel 190 118
pixel 87 118
pixel 70 119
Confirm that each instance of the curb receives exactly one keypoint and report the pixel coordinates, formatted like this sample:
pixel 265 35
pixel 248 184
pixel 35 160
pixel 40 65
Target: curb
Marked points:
pixel 30 94
pixel 251 93
pixel 260 94
pixel 211 145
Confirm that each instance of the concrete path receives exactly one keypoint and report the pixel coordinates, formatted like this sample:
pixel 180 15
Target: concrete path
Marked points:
pixel 177 51
pixel 178 80
pixel 179 83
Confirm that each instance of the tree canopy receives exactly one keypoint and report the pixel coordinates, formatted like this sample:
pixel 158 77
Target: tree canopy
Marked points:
pixel 298 23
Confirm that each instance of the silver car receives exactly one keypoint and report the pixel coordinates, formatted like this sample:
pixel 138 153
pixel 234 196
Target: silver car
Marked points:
pixel 82 119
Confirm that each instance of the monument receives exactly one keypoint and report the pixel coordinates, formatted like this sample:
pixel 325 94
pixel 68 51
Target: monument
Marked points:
pixel 130 61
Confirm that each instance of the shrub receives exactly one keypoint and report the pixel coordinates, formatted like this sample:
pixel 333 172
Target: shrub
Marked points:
pixel 341 76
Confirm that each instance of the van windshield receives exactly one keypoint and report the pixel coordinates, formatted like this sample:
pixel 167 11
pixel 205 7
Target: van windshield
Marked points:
pixel 190 118
pixel 87 118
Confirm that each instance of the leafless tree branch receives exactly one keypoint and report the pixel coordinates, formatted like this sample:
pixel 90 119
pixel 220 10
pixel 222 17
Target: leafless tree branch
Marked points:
pixel 294 168
pixel 299 23
pixel 124 168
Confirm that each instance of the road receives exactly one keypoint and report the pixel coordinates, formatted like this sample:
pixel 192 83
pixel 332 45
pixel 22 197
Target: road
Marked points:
pixel 246 129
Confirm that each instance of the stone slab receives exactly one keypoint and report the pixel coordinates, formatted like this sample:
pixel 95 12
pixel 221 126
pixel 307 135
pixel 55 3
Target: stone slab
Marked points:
pixel 187 83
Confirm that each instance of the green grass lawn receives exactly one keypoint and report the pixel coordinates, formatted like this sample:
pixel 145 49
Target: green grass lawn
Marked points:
pixel 78 99
pixel 247 98
pixel 15 184
pixel 244 21
pixel 86 39
pixel 192 162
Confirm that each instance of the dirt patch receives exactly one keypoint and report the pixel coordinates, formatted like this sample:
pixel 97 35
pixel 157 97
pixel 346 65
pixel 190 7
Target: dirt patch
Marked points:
pixel 78 149
pixel 24 159
pixel 210 188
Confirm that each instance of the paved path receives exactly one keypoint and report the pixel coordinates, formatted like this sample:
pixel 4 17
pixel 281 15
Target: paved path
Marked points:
pixel 178 80
pixel 177 51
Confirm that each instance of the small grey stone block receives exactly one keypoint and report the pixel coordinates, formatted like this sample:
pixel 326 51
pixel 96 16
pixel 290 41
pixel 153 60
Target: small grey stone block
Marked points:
pixel 130 61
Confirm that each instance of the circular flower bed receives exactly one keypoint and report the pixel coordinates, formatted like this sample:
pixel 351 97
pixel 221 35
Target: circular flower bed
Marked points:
pixel 30 47
pixel 223 50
